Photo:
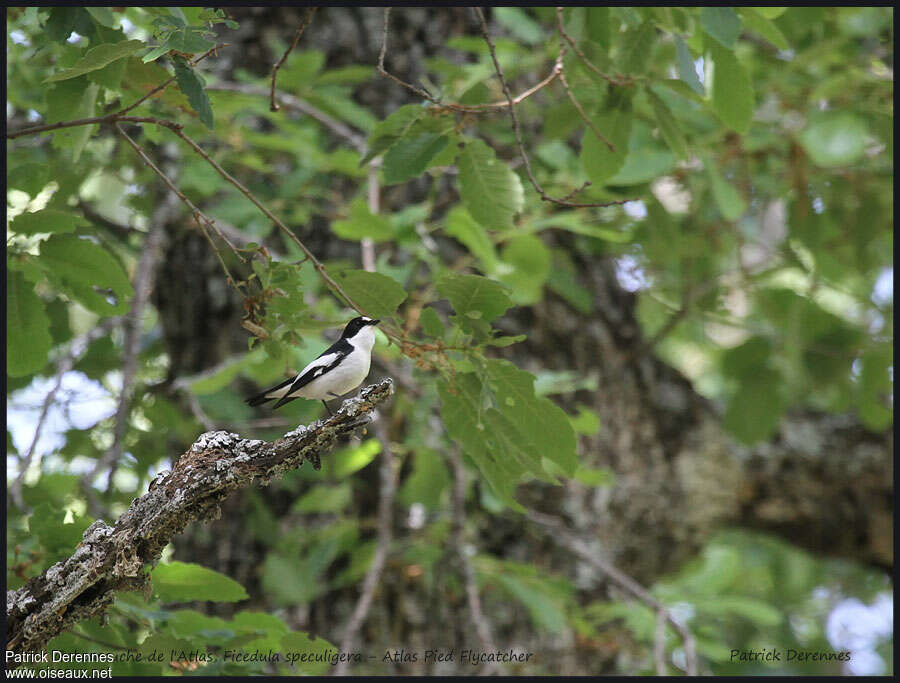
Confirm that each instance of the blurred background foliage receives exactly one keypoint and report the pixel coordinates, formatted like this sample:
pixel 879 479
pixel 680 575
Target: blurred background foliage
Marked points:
pixel 749 238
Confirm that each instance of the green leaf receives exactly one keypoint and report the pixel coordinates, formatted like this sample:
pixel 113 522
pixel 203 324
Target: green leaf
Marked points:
pixel 576 222
pixel 186 582
pixel 756 22
pixel 646 159
pixel 474 296
pixel 429 479
pixel 519 24
pixel 755 410
pixel 668 126
pixel 599 162
pixel 47 220
pixel 587 422
pixel 490 190
pixel 378 295
pixel 467 230
pixel 465 421
pixel 362 223
pixel 546 609
pixel 598 26
pixel 110 76
pixel 876 387
pixel 31 178
pixel 431 322
pixel 732 91
pixel 144 77
pixel 729 201
pixel 753 609
pixel 97 58
pixel 386 133
pixel 527 265
pixel 28 338
pixel 325 498
pixel 770 12
pixel 743 361
pixel 686 70
pixel 103 15
pixel 64 20
pixel 562 280
pixel 155 53
pixel 638 44
pixel 835 138
pixel 350 460
pixel 87 270
pixel 590 476
pixel 409 156
pixel 722 23
pixel 47 525
pixel 67 100
pixel 544 425
pixel 192 85
pixel 318 650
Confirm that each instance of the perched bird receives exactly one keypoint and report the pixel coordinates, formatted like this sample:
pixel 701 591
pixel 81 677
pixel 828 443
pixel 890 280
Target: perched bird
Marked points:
pixel 338 370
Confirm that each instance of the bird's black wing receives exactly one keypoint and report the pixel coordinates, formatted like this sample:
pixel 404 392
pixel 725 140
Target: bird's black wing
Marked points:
pixel 340 348
pixel 338 351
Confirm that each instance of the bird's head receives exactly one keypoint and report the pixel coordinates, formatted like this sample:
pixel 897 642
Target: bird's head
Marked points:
pixel 356 325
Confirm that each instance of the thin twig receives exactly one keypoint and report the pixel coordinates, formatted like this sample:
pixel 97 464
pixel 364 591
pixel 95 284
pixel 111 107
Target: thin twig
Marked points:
pixel 199 216
pixel 373 191
pixel 293 102
pixel 317 264
pixel 583 57
pixel 453 106
pixel 517 129
pixel 384 72
pixel 386 492
pixel 77 349
pixel 580 548
pixel 659 644
pixel 482 625
pixel 143 284
pixel 165 84
pixel 109 118
pixel 273 106
pixel 584 117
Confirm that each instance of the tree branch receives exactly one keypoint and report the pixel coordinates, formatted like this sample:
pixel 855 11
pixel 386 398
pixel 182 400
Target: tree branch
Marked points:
pixel 112 558
pixel 77 349
pixel 517 129
pixel 293 102
pixel 482 625
pixel 199 216
pixel 143 284
pixel 590 65
pixel 273 106
pixel 454 106
pixel 386 493
pixel 577 546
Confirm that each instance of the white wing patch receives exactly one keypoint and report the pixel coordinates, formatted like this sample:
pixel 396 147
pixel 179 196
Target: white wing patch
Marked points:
pixel 316 368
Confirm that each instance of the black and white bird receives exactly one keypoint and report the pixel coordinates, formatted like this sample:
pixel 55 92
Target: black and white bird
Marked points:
pixel 337 371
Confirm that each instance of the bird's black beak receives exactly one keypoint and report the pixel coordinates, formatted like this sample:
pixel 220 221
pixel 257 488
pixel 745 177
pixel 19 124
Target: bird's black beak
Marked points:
pixel 374 322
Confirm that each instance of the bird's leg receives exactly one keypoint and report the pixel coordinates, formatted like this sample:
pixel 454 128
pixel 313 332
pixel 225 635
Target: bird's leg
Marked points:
pixel 326 407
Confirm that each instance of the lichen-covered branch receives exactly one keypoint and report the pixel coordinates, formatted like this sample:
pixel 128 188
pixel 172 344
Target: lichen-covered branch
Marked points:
pixel 112 558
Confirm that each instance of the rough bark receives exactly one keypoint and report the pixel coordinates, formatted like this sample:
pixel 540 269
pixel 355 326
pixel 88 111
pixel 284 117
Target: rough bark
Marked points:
pixel 112 558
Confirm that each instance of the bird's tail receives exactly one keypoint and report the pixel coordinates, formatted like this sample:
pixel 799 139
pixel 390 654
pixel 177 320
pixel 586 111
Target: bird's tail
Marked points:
pixel 264 397
pixel 259 399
